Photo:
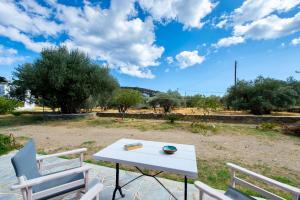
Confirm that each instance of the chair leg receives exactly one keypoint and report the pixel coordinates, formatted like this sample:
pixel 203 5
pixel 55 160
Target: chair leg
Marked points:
pixel 200 195
pixel 86 181
pixel 24 194
pixel 29 193
pixel 78 194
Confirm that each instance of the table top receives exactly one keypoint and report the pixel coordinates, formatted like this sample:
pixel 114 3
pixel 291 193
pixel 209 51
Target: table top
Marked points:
pixel 151 156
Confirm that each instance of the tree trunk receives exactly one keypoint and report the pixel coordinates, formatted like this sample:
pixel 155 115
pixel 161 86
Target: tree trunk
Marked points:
pixel 68 109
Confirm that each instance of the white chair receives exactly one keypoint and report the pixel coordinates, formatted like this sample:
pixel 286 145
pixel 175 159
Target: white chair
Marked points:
pixel 232 193
pixel 34 185
pixel 93 193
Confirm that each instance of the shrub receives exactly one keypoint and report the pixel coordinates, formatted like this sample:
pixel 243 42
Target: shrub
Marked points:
pixel 198 127
pixel 7 143
pixel 293 129
pixel 17 113
pixel 8 105
pixel 267 126
pixel 172 118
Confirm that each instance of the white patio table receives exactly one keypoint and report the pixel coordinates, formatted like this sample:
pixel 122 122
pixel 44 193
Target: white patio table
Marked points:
pixel 152 157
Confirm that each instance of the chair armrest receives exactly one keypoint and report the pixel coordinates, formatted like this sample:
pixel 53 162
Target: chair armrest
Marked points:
pixel 75 151
pixel 93 192
pixel 202 187
pixel 265 179
pixel 42 179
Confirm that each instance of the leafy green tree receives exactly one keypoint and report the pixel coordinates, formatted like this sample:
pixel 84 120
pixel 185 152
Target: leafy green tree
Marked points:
pixel 166 100
pixel 125 98
pixel 191 101
pixel 153 102
pixel 208 103
pixel 296 86
pixel 263 95
pixel 8 105
pixel 62 78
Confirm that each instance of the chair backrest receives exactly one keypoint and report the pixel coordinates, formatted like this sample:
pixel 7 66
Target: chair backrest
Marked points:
pixel 235 180
pixel 24 162
pixel 236 194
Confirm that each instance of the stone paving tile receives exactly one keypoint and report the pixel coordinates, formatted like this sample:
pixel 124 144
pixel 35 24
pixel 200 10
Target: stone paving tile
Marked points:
pixel 145 188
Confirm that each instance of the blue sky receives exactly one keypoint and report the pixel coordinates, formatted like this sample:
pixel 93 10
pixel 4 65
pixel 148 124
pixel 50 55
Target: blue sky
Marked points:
pixel 189 45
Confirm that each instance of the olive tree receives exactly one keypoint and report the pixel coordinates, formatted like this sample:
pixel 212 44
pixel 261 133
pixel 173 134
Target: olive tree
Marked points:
pixel 166 100
pixel 125 98
pixel 207 104
pixel 263 95
pixel 62 78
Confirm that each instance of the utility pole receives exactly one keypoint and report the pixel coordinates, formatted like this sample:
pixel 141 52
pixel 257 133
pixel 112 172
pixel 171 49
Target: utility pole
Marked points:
pixel 235 68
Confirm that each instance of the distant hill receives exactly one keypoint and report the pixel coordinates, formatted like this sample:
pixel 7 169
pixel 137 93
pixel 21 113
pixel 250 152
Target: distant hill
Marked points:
pixel 3 80
pixel 146 91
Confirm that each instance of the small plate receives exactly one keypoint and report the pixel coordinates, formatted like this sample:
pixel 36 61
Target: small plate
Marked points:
pixel 169 149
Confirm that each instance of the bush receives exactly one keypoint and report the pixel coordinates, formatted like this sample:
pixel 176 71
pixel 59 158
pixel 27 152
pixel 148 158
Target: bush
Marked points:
pixel 16 113
pixel 7 143
pixel 8 105
pixel 293 129
pixel 202 127
pixel 172 118
pixel 267 126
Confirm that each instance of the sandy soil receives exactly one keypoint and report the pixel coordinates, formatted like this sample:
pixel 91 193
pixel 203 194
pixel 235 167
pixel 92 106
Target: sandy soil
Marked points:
pixel 248 149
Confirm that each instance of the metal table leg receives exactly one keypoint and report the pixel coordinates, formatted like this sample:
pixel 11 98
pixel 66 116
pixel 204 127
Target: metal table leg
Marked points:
pixel 185 188
pixel 117 187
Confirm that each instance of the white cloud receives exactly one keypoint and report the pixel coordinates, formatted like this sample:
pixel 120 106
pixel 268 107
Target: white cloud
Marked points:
pixel 9 56
pixel 252 10
pixel 295 41
pixel 188 12
pixel 135 71
pixel 222 23
pixel 15 35
pixel 226 42
pixel 169 59
pixel 114 35
pixel 167 70
pixel 260 20
pixel 188 58
pixel 13 16
pixel 270 27
pixel 33 7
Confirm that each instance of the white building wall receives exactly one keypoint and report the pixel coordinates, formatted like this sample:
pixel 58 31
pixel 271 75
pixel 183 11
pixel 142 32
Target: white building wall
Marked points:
pixel 4 89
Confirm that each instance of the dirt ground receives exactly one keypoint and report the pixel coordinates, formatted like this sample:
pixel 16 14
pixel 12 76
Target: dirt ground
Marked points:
pixel 283 152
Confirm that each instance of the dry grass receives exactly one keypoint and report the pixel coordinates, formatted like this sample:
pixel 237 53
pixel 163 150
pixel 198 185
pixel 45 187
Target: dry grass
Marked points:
pixel 188 111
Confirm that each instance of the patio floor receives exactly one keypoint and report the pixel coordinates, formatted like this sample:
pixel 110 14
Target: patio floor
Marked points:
pixel 145 188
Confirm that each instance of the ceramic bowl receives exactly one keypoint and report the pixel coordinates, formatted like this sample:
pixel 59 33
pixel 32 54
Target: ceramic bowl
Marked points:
pixel 169 149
